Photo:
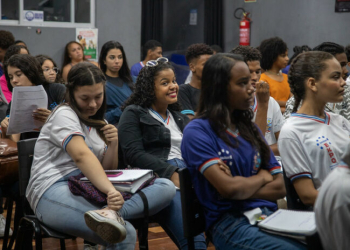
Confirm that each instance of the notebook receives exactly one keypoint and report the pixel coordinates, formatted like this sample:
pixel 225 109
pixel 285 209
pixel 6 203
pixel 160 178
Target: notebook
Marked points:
pixel 127 180
pixel 290 223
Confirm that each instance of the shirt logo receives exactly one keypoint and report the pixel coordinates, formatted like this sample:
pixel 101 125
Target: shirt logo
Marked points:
pixel 225 156
pixel 269 125
pixel 257 162
pixel 324 143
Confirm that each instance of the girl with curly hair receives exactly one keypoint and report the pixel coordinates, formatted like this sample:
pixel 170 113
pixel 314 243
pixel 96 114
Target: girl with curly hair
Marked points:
pixel 50 70
pixel 274 54
pixel 312 140
pixel 150 131
pixel 119 82
pixel 251 178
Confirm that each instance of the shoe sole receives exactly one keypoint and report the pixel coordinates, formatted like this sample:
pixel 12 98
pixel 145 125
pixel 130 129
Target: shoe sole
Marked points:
pixel 110 231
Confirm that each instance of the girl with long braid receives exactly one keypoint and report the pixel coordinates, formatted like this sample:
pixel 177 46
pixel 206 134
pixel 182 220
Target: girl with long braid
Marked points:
pixel 312 140
pixel 223 132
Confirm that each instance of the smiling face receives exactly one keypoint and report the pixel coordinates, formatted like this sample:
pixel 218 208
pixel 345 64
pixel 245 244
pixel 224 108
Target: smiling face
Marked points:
pixel 165 88
pixel 49 71
pixel 17 77
pixel 240 90
pixel 89 99
pixel 75 52
pixel 330 86
pixel 113 61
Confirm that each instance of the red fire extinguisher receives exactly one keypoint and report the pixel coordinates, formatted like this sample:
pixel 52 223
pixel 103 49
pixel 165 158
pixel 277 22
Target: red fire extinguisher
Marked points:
pixel 244 28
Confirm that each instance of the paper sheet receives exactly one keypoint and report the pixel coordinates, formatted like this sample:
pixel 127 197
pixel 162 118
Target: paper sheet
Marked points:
pixel 24 101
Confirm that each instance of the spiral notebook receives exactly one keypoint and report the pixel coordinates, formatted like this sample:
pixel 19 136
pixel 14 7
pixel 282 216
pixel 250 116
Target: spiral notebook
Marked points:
pixel 290 223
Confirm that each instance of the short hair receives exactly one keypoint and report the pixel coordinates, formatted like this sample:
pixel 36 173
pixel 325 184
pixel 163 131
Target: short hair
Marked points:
pixel 347 52
pixel 150 45
pixel 194 51
pixel 270 50
pixel 13 50
pixel 332 48
pixel 6 39
pixel 216 48
pixel 249 53
pixel 20 41
pixel 298 50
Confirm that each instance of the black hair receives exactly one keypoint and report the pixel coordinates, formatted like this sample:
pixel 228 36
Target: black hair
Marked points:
pixel 216 48
pixel 298 50
pixel 144 91
pixel 214 104
pixel 66 58
pixel 42 58
pixel 304 66
pixel 87 74
pixel 270 50
pixel 249 53
pixel 347 52
pixel 29 66
pixel 124 72
pixel 332 48
pixel 20 41
pixel 13 50
pixel 194 51
pixel 150 45
pixel 6 39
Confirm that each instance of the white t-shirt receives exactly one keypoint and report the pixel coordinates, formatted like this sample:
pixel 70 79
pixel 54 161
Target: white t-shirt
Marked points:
pixel 311 147
pixel 332 210
pixel 274 120
pixel 175 133
pixel 51 161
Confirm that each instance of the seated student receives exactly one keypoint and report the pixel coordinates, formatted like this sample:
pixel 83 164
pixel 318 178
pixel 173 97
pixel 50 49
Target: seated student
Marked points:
pixel 73 54
pixel 267 113
pixel 77 139
pixel 25 70
pixel 150 136
pixel 223 130
pixel 152 50
pixel 341 108
pixel 196 56
pixel 297 50
pixel 332 207
pixel 12 50
pixel 347 52
pixel 312 140
pixel 50 70
pixel 20 42
pixel 274 54
pixel 119 83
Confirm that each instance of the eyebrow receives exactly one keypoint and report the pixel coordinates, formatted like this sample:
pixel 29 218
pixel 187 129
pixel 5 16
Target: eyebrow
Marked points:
pixel 243 78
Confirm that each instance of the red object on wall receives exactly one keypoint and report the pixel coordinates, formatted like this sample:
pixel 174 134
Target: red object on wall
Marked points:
pixel 244 30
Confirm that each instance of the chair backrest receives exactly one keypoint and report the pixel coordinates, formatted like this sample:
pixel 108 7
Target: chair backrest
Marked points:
pixel 25 159
pixel 293 200
pixel 192 211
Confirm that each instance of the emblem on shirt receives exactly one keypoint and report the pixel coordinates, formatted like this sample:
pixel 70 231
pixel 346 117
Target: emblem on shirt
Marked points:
pixel 225 156
pixel 269 125
pixel 324 143
pixel 257 162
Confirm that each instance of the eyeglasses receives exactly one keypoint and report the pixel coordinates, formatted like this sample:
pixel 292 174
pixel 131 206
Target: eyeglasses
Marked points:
pixel 47 70
pixel 153 63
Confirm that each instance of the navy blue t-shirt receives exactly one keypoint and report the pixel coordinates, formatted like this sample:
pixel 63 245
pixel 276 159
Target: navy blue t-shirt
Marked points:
pixel 201 148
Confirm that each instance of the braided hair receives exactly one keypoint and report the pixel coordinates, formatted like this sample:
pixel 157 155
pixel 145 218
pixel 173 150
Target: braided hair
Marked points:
pixel 298 50
pixel 214 104
pixel 304 66
pixel 330 47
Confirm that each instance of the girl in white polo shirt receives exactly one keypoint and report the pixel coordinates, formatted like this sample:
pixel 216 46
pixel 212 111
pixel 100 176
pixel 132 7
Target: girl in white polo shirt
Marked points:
pixel 74 140
pixel 312 140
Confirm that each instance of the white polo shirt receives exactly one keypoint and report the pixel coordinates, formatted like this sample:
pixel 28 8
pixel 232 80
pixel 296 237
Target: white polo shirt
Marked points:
pixel 274 121
pixel 51 161
pixel 311 147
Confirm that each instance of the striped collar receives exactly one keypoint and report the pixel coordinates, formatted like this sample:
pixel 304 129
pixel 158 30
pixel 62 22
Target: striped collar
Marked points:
pixel 141 63
pixel 232 133
pixel 314 118
pixel 254 107
pixel 166 121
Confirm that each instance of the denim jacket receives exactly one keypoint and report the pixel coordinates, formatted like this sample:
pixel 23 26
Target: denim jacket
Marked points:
pixel 145 142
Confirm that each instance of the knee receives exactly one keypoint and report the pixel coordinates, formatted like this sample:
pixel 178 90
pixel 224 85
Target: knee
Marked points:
pixel 167 186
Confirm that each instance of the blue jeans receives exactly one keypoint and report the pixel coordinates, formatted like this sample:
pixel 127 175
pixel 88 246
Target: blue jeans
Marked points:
pixel 233 231
pixel 170 218
pixel 59 209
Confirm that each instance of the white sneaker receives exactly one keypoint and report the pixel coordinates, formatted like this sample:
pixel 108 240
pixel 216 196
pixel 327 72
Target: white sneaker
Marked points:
pixel 2 226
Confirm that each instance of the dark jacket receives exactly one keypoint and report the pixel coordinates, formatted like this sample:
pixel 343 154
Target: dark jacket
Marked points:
pixel 145 142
